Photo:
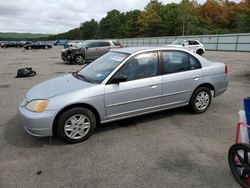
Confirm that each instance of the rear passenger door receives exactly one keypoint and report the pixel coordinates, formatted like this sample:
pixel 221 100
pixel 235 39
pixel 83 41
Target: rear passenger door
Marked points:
pixel 181 75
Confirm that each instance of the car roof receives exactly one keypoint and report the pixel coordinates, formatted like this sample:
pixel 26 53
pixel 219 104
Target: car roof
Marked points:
pixel 97 40
pixel 131 50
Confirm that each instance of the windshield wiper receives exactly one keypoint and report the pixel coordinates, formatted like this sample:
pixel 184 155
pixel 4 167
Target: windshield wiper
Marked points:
pixel 80 76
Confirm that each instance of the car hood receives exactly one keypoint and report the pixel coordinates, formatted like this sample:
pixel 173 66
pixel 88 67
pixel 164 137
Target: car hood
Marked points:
pixel 56 86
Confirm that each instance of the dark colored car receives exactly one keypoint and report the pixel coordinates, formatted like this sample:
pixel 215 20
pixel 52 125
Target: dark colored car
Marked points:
pixel 38 45
pixel 88 50
pixel 9 44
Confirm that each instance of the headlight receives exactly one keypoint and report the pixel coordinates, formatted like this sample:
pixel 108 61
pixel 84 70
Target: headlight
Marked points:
pixel 37 105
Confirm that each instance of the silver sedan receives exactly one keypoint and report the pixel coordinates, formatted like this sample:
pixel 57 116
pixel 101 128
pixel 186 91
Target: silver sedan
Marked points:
pixel 123 83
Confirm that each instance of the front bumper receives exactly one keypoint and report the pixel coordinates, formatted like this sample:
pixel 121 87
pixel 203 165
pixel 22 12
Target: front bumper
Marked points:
pixel 37 124
pixel 67 57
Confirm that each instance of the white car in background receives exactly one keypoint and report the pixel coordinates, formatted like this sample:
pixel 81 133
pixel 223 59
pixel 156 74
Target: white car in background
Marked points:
pixel 193 45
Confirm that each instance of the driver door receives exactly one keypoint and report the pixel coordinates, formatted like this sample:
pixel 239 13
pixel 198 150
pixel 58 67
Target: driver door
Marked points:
pixel 140 93
pixel 91 51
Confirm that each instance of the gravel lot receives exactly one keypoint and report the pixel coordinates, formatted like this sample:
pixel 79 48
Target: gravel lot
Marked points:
pixel 168 149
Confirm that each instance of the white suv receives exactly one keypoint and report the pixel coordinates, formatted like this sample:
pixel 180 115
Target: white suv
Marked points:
pixel 193 45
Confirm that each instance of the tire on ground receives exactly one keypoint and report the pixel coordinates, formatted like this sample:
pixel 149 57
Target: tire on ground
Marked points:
pixel 64 117
pixel 193 100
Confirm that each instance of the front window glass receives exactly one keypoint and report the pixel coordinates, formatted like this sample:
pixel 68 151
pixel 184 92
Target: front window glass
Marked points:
pixel 82 44
pixel 141 66
pixel 99 69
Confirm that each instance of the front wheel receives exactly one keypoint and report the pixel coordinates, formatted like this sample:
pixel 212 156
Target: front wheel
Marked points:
pixel 200 100
pixel 76 125
pixel 79 59
pixel 238 159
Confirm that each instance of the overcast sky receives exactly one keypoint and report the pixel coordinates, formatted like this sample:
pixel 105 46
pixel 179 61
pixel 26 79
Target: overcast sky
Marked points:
pixel 57 16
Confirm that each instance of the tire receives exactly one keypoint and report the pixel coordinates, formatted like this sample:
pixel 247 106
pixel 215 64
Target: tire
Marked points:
pixel 29 48
pixel 236 166
pixel 200 100
pixel 200 52
pixel 46 47
pixel 73 120
pixel 79 59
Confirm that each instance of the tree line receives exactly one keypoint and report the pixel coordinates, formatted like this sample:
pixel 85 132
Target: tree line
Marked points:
pixel 158 19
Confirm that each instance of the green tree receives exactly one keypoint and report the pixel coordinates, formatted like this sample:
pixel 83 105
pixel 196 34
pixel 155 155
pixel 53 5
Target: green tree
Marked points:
pixel 172 19
pixel 112 25
pixel 151 19
pixel 244 21
pixel 89 29
pixel 132 25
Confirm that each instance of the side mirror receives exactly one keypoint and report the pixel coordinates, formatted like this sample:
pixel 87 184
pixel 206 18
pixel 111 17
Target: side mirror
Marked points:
pixel 86 47
pixel 119 78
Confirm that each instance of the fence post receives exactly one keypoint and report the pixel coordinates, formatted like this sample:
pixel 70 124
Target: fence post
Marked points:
pixel 217 43
pixel 236 44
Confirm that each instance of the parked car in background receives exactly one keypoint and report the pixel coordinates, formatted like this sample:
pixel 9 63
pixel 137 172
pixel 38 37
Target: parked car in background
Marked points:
pixel 122 83
pixel 9 44
pixel 88 50
pixel 60 42
pixel 72 44
pixel 38 45
pixel 193 45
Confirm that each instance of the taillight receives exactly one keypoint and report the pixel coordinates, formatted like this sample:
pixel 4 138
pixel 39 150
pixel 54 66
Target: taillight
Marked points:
pixel 226 69
pixel 120 46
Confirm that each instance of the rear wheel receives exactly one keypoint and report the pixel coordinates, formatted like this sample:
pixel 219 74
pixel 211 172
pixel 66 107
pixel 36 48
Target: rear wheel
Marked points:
pixel 46 47
pixel 76 125
pixel 79 59
pixel 200 51
pixel 29 47
pixel 200 100
pixel 238 159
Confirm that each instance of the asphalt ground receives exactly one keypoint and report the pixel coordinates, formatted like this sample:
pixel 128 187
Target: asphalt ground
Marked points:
pixel 172 148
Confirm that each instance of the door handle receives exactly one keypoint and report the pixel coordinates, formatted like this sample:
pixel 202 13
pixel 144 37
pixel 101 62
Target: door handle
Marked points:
pixel 196 77
pixel 154 85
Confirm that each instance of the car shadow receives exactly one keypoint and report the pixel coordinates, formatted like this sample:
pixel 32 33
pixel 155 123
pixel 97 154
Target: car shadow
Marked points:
pixel 14 133
pixel 63 63
pixel 141 119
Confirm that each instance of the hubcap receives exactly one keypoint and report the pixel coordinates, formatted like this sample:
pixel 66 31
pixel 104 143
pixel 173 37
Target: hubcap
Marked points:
pixel 77 126
pixel 202 100
pixel 79 59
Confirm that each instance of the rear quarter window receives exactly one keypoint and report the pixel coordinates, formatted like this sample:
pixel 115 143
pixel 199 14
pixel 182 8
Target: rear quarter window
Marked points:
pixel 116 43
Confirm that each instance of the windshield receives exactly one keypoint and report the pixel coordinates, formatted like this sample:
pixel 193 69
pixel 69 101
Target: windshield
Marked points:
pixel 177 42
pixel 82 44
pixel 99 69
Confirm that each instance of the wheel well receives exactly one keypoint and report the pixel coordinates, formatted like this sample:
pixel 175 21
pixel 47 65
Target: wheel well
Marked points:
pixel 200 50
pixel 207 85
pixel 96 114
